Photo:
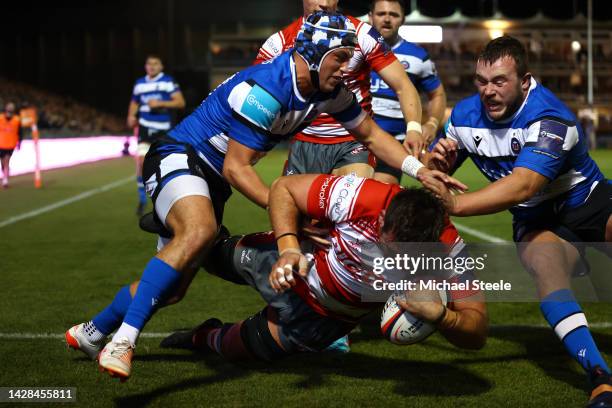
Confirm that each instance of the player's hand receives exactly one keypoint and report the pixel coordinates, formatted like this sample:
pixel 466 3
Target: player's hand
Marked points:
pixel 132 121
pixel 440 189
pixel 429 132
pixel 444 154
pixel 427 175
pixel 414 143
pixel 281 276
pixel 154 103
pixel 424 304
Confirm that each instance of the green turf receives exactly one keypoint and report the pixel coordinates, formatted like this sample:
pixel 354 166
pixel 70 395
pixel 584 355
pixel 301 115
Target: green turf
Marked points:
pixel 62 267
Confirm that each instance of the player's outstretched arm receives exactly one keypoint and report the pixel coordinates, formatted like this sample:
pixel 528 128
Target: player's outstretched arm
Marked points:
pixel 410 103
pixel 239 172
pixel 177 101
pixel 464 323
pixel 385 147
pixel 436 105
pixel 505 193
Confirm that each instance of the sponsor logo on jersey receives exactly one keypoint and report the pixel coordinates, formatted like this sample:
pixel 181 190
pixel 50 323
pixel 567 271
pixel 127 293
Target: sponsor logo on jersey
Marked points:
pixel 260 107
pixel 343 194
pixel 378 84
pixel 477 140
pixel 551 137
pixel 322 192
pixel 515 146
pixel 380 40
pixel 406 65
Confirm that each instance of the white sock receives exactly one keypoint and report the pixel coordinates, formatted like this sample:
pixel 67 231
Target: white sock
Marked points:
pixel 127 331
pixel 92 333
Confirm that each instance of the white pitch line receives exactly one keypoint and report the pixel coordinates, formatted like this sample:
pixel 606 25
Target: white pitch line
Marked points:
pixel 154 335
pixel 479 234
pixel 63 203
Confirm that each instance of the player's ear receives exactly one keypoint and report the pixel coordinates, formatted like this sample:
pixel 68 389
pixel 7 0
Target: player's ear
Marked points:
pixel 526 82
pixel 381 219
pixel 370 18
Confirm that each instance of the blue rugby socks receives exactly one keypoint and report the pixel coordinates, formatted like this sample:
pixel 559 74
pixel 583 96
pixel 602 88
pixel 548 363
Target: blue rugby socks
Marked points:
pixel 569 323
pixel 142 196
pixel 112 316
pixel 158 279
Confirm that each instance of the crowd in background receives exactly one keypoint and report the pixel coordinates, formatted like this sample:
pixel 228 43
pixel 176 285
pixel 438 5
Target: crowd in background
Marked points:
pixel 60 113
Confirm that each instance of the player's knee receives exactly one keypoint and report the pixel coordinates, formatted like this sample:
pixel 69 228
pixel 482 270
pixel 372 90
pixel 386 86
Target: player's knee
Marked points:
pixel 258 340
pixel 196 237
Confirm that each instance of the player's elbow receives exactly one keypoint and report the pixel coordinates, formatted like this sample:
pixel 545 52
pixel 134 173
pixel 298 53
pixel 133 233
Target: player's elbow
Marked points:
pixel 230 172
pixel 471 330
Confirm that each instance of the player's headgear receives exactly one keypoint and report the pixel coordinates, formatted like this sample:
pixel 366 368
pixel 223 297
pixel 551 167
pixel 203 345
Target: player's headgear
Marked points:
pixel 321 33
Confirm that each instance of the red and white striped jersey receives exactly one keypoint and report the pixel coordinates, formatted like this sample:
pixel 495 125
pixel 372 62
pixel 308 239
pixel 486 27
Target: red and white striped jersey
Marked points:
pixel 341 274
pixel 371 54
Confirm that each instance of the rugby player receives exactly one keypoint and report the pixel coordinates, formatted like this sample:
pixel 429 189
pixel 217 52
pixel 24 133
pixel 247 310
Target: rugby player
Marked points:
pixel 310 305
pixel 326 146
pixel 531 148
pixel 153 96
pixel 11 135
pixel 387 16
pixel 188 172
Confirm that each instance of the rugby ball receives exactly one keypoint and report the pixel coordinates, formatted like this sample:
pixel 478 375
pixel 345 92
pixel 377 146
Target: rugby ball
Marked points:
pixel 401 327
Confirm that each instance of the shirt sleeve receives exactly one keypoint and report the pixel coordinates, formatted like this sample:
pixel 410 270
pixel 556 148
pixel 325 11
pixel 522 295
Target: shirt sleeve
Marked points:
pixel 175 87
pixel 254 110
pixel 547 145
pixel 377 53
pixel 451 132
pixel 272 48
pixel 346 110
pixel 428 76
pixel 344 198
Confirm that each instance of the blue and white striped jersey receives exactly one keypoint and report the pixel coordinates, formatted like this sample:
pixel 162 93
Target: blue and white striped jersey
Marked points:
pixel 543 136
pixel 159 88
pixel 422 72
pixel 259 107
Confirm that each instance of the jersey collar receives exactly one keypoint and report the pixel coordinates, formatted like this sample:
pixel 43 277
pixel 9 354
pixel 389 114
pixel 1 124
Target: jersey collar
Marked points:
pixel 155 78
pixel 296 90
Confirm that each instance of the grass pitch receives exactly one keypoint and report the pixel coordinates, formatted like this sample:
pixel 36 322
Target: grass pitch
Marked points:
pixel 63 266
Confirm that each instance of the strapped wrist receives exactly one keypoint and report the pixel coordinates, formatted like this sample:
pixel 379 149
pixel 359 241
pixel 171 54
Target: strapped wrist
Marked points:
pixel 411 165
pixel 414 126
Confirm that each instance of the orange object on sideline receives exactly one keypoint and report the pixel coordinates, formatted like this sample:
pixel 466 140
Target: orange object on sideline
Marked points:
pixel 29 118
pixel 9 132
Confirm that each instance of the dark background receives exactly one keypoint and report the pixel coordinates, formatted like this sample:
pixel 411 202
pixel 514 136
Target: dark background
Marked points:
pixel 94 50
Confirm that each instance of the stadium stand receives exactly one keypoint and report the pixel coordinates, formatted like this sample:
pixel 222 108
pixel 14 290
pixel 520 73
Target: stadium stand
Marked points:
pixel 59 114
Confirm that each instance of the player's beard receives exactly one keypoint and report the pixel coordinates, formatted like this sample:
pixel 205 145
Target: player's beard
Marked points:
pixel 515 105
